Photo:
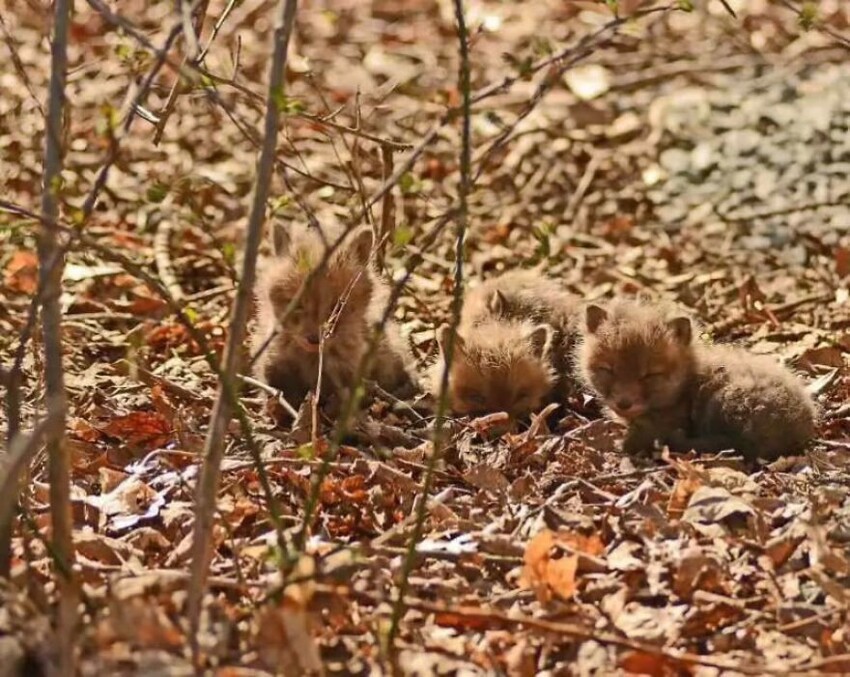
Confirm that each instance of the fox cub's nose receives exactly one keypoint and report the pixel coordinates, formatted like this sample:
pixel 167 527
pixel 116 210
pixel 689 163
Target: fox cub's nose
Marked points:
pixel 624 404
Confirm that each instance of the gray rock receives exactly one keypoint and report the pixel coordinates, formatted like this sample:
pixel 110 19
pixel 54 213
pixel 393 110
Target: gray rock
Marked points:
pixel 675 160
pixel 741 141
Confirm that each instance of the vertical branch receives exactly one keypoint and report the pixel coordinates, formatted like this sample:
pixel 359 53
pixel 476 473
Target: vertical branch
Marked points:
pixel 387 206
pixel 50 273
pixel 207 487
pixel 457 305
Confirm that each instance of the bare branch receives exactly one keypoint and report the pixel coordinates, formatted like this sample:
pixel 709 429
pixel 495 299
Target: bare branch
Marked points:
pixel 207 487
pixel 465 87
pixel 51 265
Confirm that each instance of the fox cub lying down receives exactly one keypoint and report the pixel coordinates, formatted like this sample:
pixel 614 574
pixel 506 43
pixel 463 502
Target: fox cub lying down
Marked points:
pixel 512 346
pixel 645 363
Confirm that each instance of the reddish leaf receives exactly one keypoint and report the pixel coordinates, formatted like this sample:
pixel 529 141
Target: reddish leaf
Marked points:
pixel 22 272
pixel 140 428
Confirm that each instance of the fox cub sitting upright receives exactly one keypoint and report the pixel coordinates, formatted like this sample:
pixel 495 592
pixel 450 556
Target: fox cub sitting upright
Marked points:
pixel 511 348
pixel 669 388
pixel 337 310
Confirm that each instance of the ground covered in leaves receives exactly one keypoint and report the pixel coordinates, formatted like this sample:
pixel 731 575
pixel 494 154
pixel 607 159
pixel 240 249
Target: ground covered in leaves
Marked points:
pixel 690 156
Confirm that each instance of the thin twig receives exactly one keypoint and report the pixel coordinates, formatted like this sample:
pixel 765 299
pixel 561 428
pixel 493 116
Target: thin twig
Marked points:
pixel 51 265
pixel 216 28
pixel 19 65
pixel 457 305
pixel 385 236
pixel 207 486
pixel 270 390
pixel 199 14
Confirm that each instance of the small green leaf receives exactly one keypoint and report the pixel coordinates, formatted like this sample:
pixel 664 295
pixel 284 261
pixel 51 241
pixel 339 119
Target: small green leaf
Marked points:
pixel 306 452
pixel 285 104
pixel 157 192
pixel 124 52
pixel 613 5
pixel 808 16
pixel 686 5
pixel 191 314
pixel 409 184
pixel 76 216
pixel 402 236
pixel 56 184
pixel 228 251
pixel 278 204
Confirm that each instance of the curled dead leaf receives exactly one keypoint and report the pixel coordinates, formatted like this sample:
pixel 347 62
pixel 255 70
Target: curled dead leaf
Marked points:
pixel 552 561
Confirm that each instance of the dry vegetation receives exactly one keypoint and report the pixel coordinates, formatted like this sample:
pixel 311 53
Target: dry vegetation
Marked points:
pixel 690 155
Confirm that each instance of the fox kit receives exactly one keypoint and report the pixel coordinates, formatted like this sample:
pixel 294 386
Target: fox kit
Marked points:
pixel 339 304
pixel 511 346
pixel 522 295
pixel 498 366
pixel 645 364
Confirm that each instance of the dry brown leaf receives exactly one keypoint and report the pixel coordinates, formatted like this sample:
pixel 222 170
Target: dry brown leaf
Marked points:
pixel 21 273
pixel 144 428
pixel 644 663
pixel 545 572
pixel 681 495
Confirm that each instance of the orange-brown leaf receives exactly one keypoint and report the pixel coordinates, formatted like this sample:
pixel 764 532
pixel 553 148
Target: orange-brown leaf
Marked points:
pixel 22 272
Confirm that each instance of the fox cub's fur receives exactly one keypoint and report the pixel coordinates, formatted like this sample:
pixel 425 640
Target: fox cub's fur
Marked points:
pixel 340 303
pixel 645 363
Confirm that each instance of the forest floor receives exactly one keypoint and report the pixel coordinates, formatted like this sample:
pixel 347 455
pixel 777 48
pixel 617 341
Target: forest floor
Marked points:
pixel 690 156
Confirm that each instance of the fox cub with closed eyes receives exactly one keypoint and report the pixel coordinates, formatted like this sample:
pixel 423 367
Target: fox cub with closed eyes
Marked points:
pixel 644 362
pixel 511 347
pixel 337 310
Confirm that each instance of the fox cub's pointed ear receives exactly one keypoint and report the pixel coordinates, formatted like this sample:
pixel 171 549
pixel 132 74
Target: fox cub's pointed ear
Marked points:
pixel 281 239
pixel 360 244
pixel 594 316
pixel 497 303
pixel 541 340
pixel 443 335
pixel 682 329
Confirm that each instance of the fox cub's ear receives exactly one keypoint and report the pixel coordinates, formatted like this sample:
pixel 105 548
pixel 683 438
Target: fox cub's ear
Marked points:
pixel 281 239
pixel 593 317
pixel 541 339
pixel 443 335
pixel 360 244
pixel 497 303
pixel 682 329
